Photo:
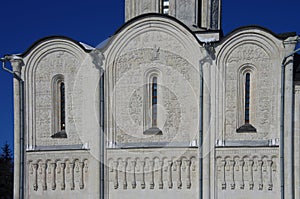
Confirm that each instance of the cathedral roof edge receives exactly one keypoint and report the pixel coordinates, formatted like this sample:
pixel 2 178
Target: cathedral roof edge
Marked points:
pixel 281 36
pixel 148 15
pixel 82 45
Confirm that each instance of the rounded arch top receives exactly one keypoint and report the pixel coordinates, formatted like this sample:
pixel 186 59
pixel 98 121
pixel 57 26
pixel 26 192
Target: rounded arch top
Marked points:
pixel 145 25
pixel 54 38
pixel 49 45
pixel 268 42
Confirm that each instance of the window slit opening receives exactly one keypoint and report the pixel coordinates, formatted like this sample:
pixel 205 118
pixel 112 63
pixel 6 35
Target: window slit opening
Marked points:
pixel 166 5
pixel 59 107
pixel 247 98
pixel 62 106
pixel 152 128
pixel 154 102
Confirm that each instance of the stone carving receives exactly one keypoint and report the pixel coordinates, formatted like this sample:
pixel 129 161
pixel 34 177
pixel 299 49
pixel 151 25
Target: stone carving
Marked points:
pixel 188 178
pixel 179 183
pixel 173 111
pixel 155 54
pixel 133 183
pixel 63 176
pixel 256 170
pixel 115 167
pixel 136 106
pixel 255 59
pixel 81 182
pixel 146 170
pixel 58 62
pixel 129 95
pixel 249 53
pixel 35 176
pixel 47 173
pixel 143 184
pixel 170 181
pixel 53 172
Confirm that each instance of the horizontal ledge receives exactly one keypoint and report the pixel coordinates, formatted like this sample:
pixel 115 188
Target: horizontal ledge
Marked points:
pixel 248 143
pixel 153 145
pixel 83 147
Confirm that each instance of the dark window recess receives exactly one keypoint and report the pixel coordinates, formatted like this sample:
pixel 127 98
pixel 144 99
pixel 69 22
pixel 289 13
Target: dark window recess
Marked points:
pixel 154 130
pixel 154 102
pixel 62 107
pixel 62 113
pixel 247 127
pixel 247 99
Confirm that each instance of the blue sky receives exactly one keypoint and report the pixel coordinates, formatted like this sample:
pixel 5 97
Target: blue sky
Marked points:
pixel 92 21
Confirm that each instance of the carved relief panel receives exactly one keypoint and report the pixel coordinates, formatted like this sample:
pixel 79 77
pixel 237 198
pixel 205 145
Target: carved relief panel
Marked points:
pixel 51 65
pixel 162 172
pixel 57 174
pixel 252 59
pixel 175 101
pixel 247 171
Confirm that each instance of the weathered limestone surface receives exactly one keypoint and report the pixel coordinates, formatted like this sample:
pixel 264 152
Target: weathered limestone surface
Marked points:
pixel 232 163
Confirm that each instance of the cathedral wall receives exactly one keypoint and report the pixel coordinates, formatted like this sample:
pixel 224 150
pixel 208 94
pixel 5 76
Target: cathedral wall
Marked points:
pixel 260 58
pixel 141 161
pixel 143 53
pixel 61 120
pixel 248 97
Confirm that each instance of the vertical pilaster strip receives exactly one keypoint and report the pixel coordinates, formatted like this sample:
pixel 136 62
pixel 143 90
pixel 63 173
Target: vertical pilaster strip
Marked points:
pixel 44 175
pixel 179 182
pixel 143 175
pixel 170 181
pixel 17 130
pixel 270 184
pixel 63 177
pixel 232 180
pixel 251 182
pixel 206 143
pixel 116 183
pixel 35 176
pixel 81 182
pixel 297 139
pixel 259 165
pixel 133 183
pixel 161 183
pixel 242 183
pixel 188 174
pixel 203 12
pixel 288 132
pixel 53 172
pixel 223 164
pixel 287 168
pixel 152 174
pixel 72 183
pixel 124 174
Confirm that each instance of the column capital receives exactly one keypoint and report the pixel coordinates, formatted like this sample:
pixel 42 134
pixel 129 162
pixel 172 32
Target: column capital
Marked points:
pixel 16 63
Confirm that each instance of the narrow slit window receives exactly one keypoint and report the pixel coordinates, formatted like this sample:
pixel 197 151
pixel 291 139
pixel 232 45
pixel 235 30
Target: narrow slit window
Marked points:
pixel 62 106
pixel 247 98
pixel 154 102
pixel 166 5
pixel 59 107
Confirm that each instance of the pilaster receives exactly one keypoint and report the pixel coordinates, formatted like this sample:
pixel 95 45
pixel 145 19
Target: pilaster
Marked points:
pixel 17 65
pixel 297 139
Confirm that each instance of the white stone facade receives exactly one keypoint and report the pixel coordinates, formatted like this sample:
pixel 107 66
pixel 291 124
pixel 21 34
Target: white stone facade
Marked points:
pixel 90 138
